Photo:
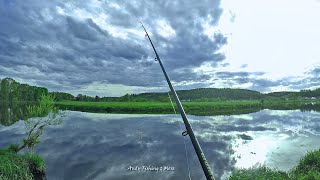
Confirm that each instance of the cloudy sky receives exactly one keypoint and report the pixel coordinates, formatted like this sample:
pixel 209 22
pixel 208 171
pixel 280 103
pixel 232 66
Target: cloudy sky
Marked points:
pixel 98 47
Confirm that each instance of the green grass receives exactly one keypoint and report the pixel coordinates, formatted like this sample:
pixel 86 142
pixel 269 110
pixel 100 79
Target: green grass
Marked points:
pixel 163 105
pixel 308 168
pixel 35 161
pixel 195 108
pixel 19 167
pixel 155 104
pixel 257 173
pixel 13 166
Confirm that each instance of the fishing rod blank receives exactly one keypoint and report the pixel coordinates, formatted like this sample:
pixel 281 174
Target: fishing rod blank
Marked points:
pixel 203 161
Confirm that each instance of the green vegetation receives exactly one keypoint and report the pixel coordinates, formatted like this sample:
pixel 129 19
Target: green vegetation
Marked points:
pixel 207 94
pixel 159 107
pixel 59 96
pixel 195 108
pixel 15 166
pixel 308 168
pixel 203 95
pixel 30 165
pixel 12 112
pixel 46 115
pixel 35 161
pixel 258 172
pixel 203 101
pixel 12 91
pixel 15 92
pixel 42 113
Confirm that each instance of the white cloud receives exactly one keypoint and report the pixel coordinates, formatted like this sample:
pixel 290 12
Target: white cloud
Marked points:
pixel 165 29
pixel 100 17
pixel 280 38
pixel 114 90
pixel 277 37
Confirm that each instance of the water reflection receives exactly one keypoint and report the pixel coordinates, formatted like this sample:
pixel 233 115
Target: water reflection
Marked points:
pixel 103 146
pixel 11 112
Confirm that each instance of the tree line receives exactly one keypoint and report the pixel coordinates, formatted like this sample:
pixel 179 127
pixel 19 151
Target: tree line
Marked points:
pixel 10 90
pixel 13 91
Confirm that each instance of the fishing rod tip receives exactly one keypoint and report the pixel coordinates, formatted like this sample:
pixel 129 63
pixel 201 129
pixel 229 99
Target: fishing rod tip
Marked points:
pixel 141 24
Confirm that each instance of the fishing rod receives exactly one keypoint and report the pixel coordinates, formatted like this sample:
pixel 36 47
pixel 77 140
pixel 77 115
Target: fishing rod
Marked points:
pixel 203 161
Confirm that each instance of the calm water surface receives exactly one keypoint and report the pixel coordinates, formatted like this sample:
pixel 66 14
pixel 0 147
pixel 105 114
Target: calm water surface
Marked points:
pixel 105 146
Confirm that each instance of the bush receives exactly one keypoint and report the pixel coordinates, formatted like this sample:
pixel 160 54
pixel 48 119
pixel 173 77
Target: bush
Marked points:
pixel 308 168
pixel 13 166
pixel 258 172
pixel 35 161
pixel 24 167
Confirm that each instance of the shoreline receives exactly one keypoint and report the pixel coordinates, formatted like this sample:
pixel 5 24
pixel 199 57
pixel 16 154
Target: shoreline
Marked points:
pixel 192 108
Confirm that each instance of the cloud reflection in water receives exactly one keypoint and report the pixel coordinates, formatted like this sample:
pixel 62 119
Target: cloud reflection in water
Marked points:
pixel 103 146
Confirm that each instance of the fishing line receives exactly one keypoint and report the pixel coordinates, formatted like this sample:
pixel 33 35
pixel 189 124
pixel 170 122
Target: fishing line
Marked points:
pixel 184 139
pixel 202 159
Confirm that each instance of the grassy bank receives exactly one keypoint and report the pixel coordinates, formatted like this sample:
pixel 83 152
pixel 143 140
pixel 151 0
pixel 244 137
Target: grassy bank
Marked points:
pixel 195 108
pixel 29 166
pixel 15 166
pixel 308 168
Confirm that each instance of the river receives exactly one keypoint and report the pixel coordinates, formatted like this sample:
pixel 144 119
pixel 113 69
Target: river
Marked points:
pixel 130 146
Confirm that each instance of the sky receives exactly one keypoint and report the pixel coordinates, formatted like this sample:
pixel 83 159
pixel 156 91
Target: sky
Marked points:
pixel 98 47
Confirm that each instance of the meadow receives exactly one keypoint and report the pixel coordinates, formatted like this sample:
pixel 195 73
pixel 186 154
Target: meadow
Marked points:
pixel 194 108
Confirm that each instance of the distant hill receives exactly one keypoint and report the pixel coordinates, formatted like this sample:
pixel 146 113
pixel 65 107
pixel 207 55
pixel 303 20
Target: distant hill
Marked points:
pixel 217 94
pixel 204 94
pixel 283 94
pixel 10 90
pixel 306 93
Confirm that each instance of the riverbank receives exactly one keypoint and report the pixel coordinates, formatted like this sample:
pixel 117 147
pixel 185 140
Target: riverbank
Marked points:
pixel 193 108
pixel 307 168
pixel 16 166
pixel 31 166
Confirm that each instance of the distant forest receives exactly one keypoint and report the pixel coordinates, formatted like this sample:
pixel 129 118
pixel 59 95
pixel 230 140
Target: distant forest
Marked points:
pixel 13 91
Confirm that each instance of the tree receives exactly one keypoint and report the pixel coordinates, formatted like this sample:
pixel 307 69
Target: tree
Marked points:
pixel 38 118
pixel 126 98
pixel 79 97
pixel 4 89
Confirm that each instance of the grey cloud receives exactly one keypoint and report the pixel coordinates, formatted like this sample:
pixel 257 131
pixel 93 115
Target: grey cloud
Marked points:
pixel 242 77
pixel 66 52
pixel 311 78
pixel 74 52
pixel 228 128
pixel 244 65
pixel 225 64
pixel 226 74
pixel 262 84
pixel 85 31
pixel 316 71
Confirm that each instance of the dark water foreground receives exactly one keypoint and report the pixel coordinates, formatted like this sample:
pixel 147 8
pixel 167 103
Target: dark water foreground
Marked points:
pixel 115 146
